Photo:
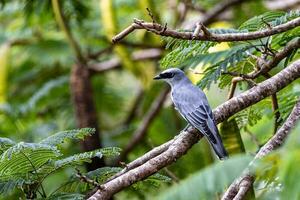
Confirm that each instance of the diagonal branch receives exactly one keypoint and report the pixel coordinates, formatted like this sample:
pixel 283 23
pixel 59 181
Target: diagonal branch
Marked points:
pixel 240 187
pixel 159 29
pixel 167 153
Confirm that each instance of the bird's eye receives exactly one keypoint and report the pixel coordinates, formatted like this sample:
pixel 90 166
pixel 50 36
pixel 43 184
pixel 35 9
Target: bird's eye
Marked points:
pixel 167 75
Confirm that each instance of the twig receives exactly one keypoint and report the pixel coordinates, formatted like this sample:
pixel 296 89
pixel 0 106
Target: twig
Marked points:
pixel 86 179
pixel 239 188
pixel 177 147
pixel 158 29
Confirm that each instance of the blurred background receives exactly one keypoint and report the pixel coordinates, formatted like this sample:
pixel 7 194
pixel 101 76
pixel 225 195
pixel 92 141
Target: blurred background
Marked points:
pixel 59 70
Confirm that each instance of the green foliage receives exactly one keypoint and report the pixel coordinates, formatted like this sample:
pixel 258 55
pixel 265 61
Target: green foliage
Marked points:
pixel 60 137
pixel 26 165
pixel 77 159
pixel 207 183
pixel 5 143
pixel 25 157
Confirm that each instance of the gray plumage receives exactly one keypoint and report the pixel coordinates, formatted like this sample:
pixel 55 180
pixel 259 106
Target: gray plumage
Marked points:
pixel 192 104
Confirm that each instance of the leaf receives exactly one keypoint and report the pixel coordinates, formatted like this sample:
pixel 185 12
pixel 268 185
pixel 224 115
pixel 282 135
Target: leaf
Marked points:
pixel 23 158
pixel 5 143
pixel 207 183
pixel 60 137
pixel 7 186
pixel 66 196
pixel 219 62
pixel 259 22
pixel 77 159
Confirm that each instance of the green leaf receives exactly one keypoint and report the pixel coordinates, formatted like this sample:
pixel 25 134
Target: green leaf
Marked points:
pixel 60 137
pixel 66 196
pixel 77 159
pixel 219 62
pixel 7 186
pixel 5 143
pixel 260 21
pixel 23 158
pixel 207 183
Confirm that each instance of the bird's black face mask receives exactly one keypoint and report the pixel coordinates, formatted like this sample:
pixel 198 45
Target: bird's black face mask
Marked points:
pixel 165 75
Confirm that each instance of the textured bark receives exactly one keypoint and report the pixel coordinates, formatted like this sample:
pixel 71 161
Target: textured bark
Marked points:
pixel 85 112
pixel 240 187
pixel 167 153
pixel 164 31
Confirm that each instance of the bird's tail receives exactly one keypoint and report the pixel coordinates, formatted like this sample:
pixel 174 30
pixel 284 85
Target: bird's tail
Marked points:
pixel 219 149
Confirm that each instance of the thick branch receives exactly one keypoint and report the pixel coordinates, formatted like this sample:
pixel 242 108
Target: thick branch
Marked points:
pixel 164 31
pixel 168 153
pixel 240 187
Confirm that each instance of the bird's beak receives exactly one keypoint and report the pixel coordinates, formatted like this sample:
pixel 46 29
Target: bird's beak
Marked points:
pixel 157 77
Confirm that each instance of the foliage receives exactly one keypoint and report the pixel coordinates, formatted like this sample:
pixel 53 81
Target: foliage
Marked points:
pixel 26 165
pixel 36 61
pixel 207 183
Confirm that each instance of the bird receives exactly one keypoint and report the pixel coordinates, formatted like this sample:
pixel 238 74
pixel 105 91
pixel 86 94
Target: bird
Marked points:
pixel 192 104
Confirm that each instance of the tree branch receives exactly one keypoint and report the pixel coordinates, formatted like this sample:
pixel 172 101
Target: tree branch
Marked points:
pixel 163 31
pixel 167 153
pixel 239 188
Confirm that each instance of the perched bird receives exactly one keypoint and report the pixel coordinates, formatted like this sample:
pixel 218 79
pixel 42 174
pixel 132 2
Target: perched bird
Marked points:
pixel 192 104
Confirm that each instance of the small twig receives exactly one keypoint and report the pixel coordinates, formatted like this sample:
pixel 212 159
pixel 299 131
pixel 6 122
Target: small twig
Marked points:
pixel 87 180
pixel 151 15
pixel 157 29
pixel 266 23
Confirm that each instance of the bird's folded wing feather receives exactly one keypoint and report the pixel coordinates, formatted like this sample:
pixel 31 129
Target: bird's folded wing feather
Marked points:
pixel 195 109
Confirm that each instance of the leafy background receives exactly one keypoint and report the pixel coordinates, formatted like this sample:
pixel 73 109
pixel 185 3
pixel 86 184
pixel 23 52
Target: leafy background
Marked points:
pixel 35 99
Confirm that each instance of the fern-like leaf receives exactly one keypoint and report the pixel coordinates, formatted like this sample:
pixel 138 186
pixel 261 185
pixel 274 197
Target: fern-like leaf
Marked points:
pixel 60 137
pixel 5 143
pixel 23 158
pixel 86 157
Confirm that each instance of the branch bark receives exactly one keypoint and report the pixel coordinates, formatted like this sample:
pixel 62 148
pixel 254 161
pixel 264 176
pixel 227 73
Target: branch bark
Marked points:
pixel 167 153
pixel 164 31
pixel 240 187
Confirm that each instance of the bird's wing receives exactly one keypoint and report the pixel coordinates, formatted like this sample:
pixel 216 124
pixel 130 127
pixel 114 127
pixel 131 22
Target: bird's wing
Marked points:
pixel 193 106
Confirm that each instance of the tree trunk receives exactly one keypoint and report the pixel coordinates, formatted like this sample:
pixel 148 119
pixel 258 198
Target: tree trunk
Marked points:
pixel 85 112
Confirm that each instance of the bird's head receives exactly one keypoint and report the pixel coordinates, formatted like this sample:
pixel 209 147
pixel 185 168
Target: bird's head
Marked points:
pixel 172 76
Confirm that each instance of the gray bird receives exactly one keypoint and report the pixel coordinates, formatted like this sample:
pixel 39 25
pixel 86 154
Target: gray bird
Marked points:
pixel 192 104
